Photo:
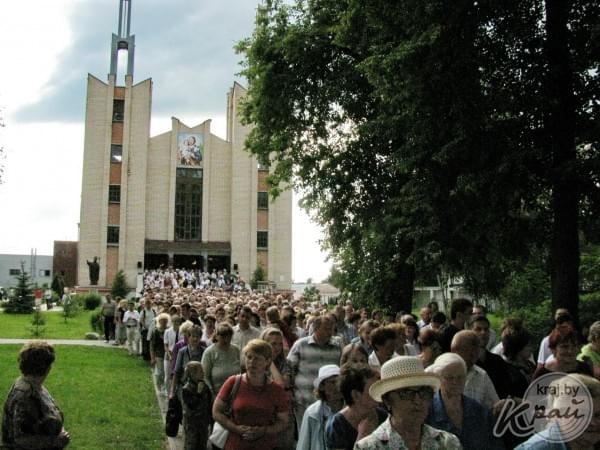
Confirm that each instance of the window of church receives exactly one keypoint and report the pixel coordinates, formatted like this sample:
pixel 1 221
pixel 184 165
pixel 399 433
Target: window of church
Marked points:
pixel 262 239
pixel 263 200
pixel 112 234
pixel 114 193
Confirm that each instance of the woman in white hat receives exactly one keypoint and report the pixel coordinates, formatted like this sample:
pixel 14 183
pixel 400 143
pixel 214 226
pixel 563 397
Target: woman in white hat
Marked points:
pixel 406 390
pixel 312 431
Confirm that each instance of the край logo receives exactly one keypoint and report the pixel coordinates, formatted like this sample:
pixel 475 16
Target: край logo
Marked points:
pixel 557 406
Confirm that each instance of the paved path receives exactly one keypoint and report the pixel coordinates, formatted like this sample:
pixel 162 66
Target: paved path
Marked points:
pixel 86 342
pixel 175 443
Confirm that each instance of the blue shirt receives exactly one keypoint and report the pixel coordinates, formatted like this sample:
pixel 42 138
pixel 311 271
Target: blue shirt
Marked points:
pixel 539 441
pixel 477 426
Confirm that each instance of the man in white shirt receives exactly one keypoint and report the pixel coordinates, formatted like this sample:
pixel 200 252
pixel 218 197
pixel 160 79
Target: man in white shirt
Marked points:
pixel 147 317
pixel 425 314
pixel 478 384
pixel 131 319
pixel 243 332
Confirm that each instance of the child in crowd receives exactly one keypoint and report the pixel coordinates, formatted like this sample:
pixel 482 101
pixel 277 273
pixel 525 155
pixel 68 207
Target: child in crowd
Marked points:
pixel 196 399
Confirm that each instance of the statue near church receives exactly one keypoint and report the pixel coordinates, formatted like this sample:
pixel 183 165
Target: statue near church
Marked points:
pixel 94 269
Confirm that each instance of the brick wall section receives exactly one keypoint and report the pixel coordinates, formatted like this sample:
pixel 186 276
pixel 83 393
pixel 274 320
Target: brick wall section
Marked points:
pixel 262 222
pixel 262 259
pixel 64 261
pixel 120 93
pixel 112 262
pixel 262 180
pixel 115 173
pixel 117 133
pixel 114 211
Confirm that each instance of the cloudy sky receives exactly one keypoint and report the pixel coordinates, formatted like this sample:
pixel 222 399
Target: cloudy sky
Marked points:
pixel 49 47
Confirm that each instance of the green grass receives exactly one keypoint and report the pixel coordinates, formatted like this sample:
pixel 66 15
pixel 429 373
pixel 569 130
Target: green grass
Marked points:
pixel 106 396
pixel 18 326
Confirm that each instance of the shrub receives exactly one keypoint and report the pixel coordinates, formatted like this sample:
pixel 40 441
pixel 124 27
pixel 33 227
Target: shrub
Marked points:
pixel 97 322
pixel 38 322
pixel 91 301
pixel 119 286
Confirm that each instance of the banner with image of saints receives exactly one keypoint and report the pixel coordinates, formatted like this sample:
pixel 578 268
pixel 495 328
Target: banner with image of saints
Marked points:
pixel 190 149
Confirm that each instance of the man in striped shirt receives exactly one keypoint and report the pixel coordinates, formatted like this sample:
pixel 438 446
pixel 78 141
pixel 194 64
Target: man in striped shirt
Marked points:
pixel 306 356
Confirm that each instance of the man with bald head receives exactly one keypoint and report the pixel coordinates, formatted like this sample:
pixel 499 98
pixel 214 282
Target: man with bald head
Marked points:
pixel 478 384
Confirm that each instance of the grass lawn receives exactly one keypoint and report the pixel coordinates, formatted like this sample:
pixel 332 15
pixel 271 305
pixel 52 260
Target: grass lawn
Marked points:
pixel 18 326
pixel 106 396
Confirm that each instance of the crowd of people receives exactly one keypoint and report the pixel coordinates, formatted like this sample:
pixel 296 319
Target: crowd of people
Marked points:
pixel 270 371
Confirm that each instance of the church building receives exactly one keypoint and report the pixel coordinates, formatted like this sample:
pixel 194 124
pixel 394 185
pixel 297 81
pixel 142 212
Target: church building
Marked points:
pixel 185 198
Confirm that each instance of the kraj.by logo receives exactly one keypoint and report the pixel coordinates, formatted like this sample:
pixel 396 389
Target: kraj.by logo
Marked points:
pixel 556 402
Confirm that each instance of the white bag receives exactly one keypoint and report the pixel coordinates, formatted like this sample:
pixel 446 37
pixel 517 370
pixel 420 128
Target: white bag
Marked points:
pixel 219 434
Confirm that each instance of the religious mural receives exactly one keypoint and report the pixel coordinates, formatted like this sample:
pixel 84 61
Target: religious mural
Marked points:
pixel 190 149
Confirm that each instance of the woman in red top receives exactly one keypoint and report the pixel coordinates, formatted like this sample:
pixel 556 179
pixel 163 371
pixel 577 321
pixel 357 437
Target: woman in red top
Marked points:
pixel 260 407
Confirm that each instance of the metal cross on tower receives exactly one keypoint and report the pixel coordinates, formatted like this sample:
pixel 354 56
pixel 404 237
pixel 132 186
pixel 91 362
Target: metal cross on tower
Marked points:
pixel 124 40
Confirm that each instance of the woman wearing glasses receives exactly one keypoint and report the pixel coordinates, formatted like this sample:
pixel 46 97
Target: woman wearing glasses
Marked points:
pixel 406 390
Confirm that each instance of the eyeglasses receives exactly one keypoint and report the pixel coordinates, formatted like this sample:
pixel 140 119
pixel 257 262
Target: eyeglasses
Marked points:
pixel 424 393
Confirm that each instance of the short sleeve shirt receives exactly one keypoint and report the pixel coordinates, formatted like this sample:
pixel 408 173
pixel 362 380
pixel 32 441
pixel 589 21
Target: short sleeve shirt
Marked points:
pixel 340 434
pixel 254 406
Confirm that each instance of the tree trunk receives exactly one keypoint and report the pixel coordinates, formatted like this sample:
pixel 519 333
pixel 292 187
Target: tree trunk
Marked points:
pixel 560 132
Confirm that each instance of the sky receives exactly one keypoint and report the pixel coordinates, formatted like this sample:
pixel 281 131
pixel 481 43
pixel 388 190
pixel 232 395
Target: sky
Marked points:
pixel 49 47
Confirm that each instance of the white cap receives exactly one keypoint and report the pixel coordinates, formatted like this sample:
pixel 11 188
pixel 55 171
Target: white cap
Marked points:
pixel 328 371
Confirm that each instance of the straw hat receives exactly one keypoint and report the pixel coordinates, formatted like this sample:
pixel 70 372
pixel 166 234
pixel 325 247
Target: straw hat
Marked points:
pixel 402 372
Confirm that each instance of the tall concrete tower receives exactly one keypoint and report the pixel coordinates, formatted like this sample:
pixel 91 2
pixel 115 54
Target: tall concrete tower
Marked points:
pixel 113 193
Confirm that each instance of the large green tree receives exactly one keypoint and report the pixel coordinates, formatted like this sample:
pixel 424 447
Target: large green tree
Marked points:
pixel 452 136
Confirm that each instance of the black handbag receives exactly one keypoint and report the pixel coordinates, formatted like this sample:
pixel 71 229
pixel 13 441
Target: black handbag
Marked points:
pixel 173 417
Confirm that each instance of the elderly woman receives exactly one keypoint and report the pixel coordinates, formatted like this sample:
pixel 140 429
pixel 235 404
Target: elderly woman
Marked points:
pixel 329 401
pixel 259 409
pixel 221 359
pixel 552 437
pixel 157 351
pixel 31 418
pixel 407 391
pixel 193 351
pixel 360 416
pixel 462 416
pixel 591 351
pixel 564 346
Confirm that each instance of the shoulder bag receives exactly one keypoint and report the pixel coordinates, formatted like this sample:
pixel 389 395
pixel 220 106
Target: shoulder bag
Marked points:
pixel 219 435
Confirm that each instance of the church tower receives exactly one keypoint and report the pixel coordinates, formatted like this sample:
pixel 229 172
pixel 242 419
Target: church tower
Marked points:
pixel 113 194
pixel 185 198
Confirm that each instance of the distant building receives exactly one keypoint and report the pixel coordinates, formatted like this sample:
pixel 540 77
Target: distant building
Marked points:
pixel 39 268
pixel 327 292
pixel 183 198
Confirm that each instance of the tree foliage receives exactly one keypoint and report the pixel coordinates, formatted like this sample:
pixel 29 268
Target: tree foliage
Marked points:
pixel 119 285
pixel 257 276
pixel 23 300
pixel 432 136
